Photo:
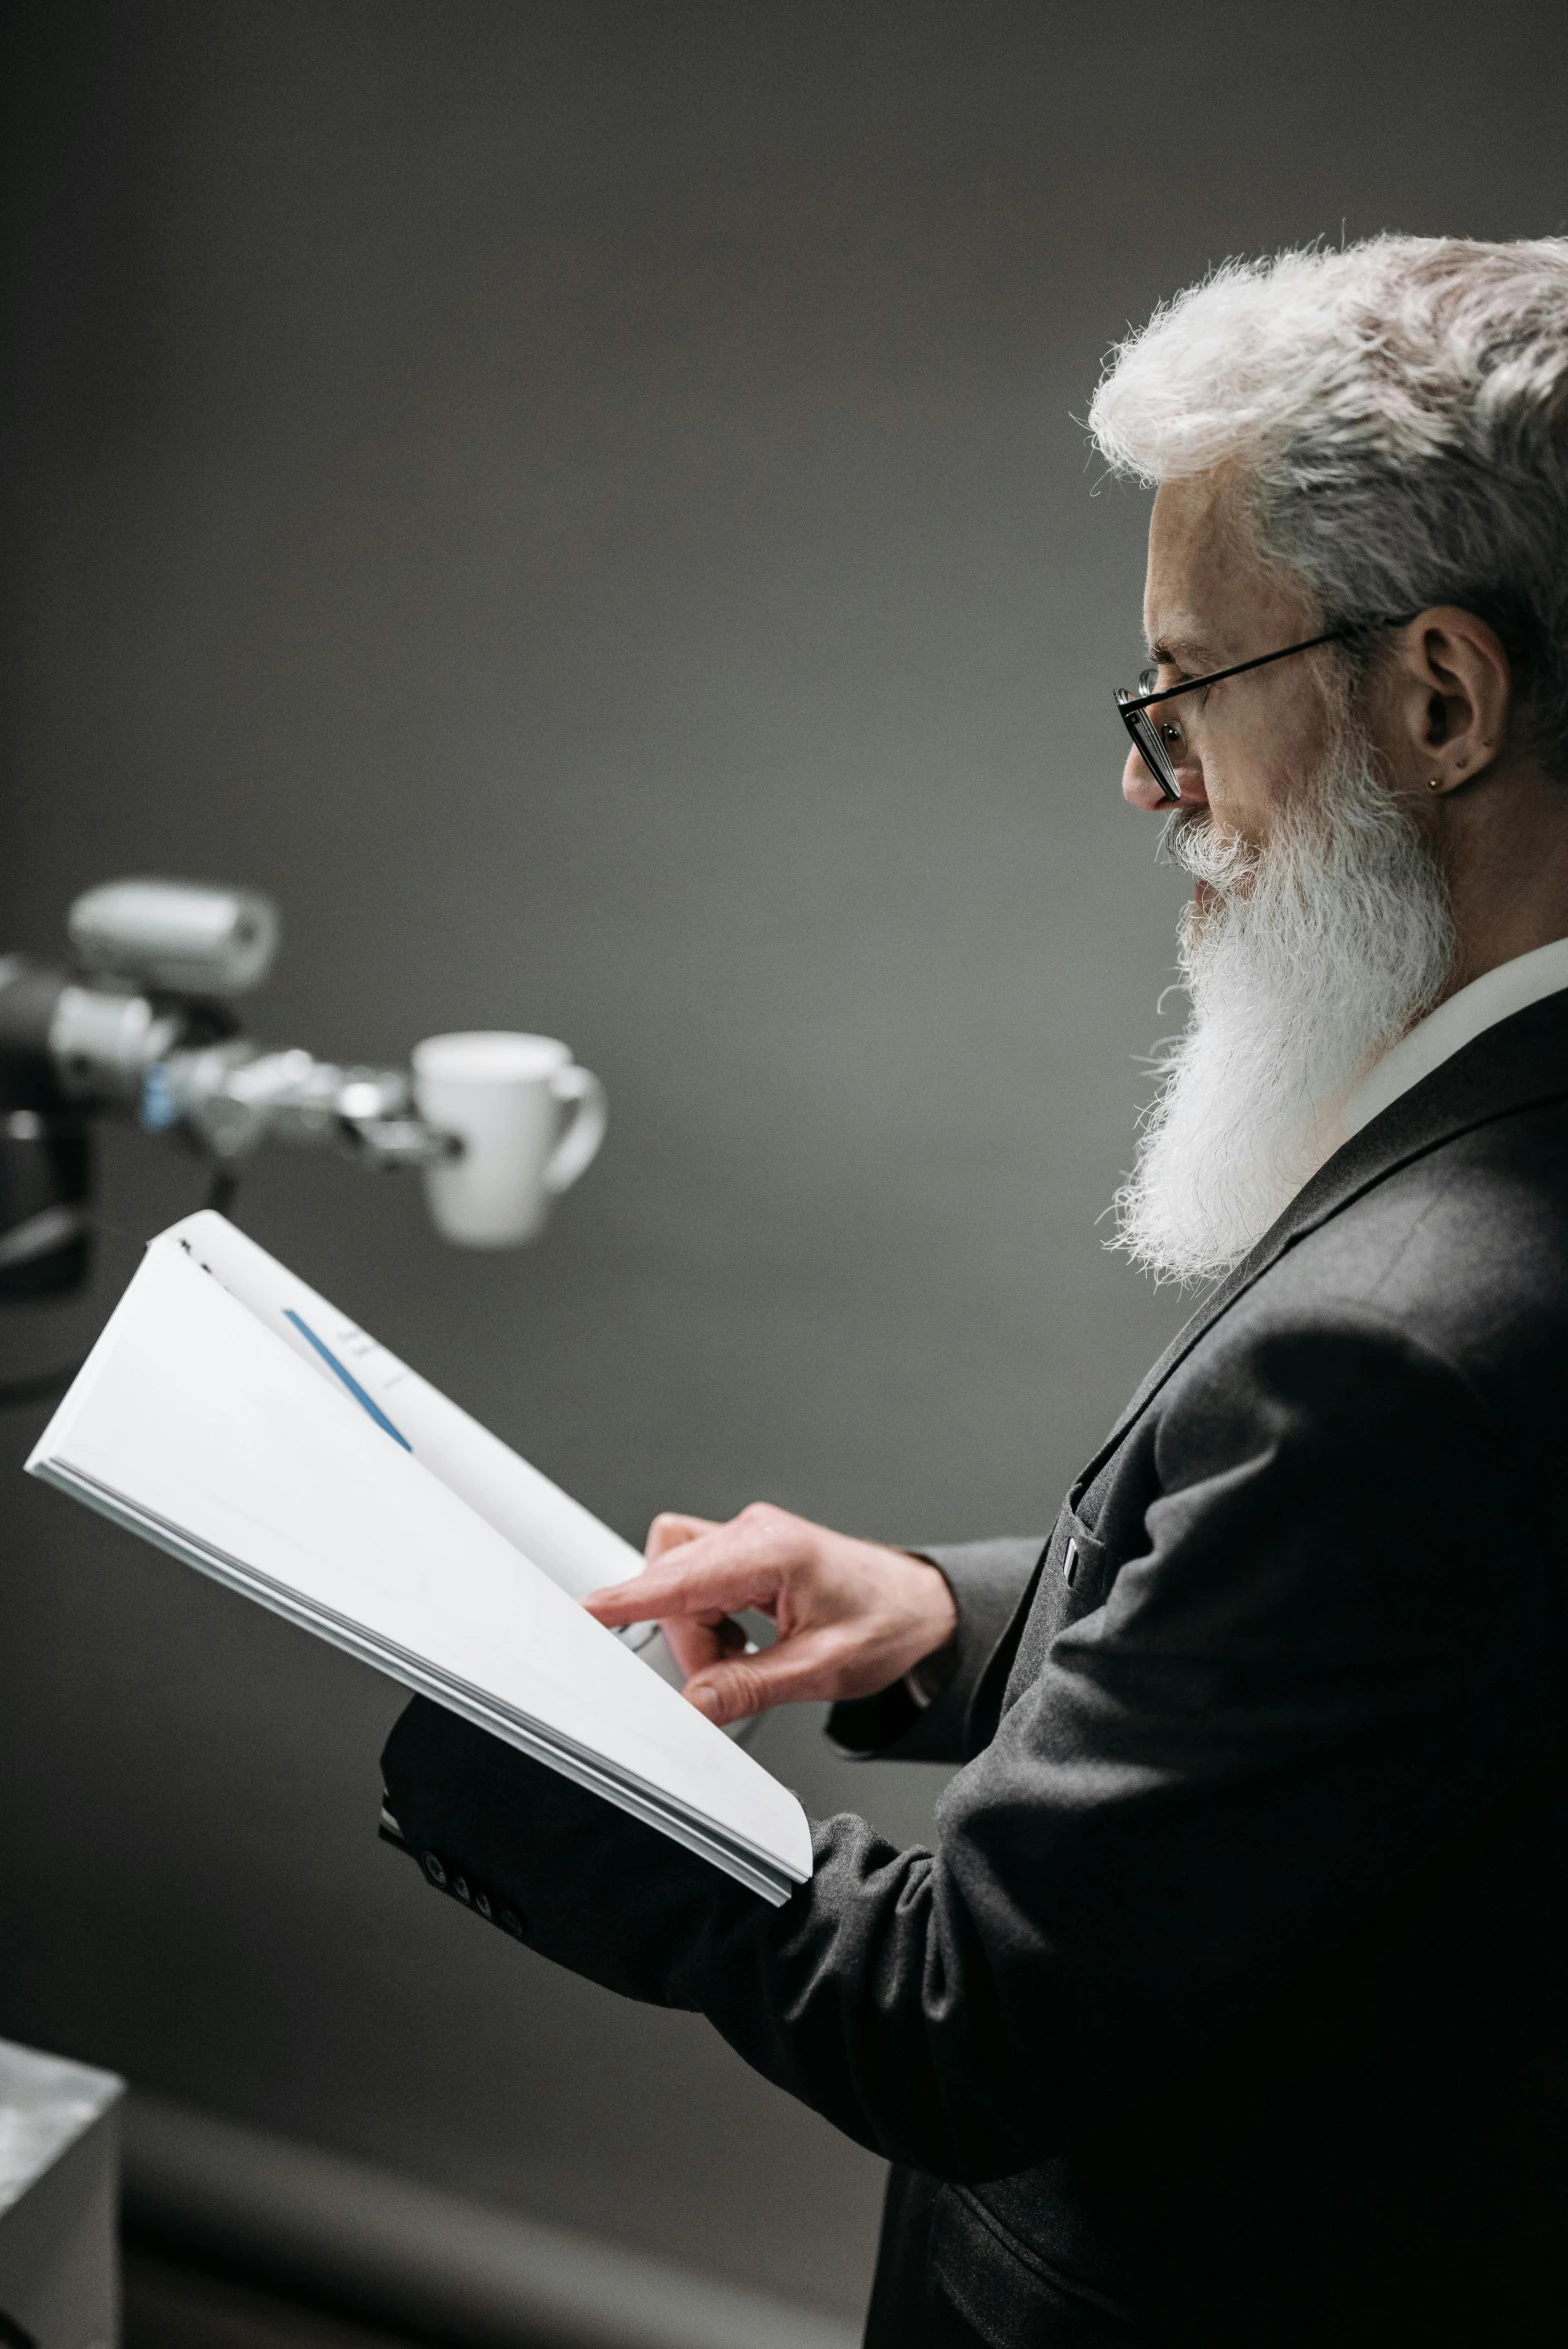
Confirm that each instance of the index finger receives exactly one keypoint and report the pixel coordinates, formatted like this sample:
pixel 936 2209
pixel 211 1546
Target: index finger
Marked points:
pixel 712 1574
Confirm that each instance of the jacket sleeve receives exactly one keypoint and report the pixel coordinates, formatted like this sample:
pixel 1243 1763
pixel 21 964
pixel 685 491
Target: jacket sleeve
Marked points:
pixel 1288 1698
pixel 990 1582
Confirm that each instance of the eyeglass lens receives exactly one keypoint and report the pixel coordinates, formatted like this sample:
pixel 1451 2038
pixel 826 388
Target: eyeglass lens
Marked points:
pixel 1160 740
pixel 1153 752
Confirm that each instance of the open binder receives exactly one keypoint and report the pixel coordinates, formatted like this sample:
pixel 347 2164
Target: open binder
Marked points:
pixel 233 1417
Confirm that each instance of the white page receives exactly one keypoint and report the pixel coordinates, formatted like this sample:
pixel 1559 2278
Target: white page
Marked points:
pixel 566 1540
pixel 198 1416
pixel 575 1548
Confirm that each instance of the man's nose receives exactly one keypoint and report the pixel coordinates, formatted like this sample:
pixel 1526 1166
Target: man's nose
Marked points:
pixel 1139 788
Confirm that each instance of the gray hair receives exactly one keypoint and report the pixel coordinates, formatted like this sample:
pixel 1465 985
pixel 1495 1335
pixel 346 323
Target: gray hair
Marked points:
pixel 1398 412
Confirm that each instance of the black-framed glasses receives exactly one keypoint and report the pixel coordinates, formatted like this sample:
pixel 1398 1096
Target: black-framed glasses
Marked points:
pixel 1154 743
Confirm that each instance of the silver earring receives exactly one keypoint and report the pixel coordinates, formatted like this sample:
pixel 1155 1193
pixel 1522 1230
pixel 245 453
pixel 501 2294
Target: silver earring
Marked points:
pixel 1434 784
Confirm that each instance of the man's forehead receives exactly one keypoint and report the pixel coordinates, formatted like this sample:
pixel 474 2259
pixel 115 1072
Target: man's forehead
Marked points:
pixel 1207 591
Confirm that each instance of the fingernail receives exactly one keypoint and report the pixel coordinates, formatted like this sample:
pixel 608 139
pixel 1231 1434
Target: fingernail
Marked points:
pixel 707 1700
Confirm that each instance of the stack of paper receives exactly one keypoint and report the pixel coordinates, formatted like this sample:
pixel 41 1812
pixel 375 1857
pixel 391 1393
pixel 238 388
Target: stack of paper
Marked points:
pixel 232 1416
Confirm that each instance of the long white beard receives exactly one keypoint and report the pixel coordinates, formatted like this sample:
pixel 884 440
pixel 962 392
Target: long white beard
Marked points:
pixel 1314 953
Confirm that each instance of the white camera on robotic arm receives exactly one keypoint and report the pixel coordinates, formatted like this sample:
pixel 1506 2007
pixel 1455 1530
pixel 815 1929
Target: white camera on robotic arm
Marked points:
pixel 145 1029
pixel 141 1028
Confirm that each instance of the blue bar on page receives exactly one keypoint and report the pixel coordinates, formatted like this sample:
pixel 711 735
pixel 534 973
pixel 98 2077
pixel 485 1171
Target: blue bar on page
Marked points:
pixel 348 1378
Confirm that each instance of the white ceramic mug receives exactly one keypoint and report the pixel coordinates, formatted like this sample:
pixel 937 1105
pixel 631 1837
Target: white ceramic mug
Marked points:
pixel 530 1122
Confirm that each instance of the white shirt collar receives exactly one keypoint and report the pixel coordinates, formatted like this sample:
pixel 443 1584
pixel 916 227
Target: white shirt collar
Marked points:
pixel 1495 996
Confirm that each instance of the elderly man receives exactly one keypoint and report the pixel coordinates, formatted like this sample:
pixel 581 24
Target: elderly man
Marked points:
pixel 1229 2008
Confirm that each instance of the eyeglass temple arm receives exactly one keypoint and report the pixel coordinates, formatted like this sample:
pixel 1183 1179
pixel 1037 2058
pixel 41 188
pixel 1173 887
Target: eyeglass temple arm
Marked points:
pixel 1144 701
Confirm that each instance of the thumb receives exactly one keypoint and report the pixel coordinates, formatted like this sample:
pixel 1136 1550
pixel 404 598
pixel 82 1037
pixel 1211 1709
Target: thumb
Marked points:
pixel 671 1529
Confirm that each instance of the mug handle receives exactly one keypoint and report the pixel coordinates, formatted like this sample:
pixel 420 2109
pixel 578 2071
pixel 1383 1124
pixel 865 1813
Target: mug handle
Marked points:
pixel 579 1145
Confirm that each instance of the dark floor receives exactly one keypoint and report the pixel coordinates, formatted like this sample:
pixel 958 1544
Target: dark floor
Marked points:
pixel 170 2306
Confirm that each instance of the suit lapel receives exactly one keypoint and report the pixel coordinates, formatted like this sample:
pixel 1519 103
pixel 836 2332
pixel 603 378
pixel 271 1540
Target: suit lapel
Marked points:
pixel 1515 1065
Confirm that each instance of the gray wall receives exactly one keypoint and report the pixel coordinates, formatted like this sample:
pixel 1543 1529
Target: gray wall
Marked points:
pixel 582 503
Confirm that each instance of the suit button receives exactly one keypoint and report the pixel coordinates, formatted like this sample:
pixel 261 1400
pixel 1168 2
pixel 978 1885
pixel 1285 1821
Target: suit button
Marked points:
pixel 510 1922
pixel 460 1887
pixel 433 1867
pixel 482 1903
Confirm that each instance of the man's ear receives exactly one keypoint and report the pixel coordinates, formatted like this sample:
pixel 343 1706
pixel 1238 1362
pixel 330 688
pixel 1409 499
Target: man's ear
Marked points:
pixel 1449 689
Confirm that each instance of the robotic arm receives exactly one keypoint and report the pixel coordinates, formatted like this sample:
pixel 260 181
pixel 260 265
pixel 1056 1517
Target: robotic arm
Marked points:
pixel 141 1028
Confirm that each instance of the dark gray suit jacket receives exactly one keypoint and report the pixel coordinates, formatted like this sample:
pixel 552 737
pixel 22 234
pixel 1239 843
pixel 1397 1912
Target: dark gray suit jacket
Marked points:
pixel 1231 2007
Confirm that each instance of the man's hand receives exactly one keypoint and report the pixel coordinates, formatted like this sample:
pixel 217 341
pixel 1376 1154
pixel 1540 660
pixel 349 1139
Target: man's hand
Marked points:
pixel 852 1616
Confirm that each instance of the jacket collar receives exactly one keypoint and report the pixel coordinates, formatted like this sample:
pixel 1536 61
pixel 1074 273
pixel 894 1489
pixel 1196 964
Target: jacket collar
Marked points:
pixel 1517 1064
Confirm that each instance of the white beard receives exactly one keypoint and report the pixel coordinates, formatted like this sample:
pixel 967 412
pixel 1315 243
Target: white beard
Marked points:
pixel 1315 953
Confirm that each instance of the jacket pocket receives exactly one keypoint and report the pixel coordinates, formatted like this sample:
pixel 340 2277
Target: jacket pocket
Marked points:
pixel 1008 2295
pixel 1081 1560
pixel 1075 1574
